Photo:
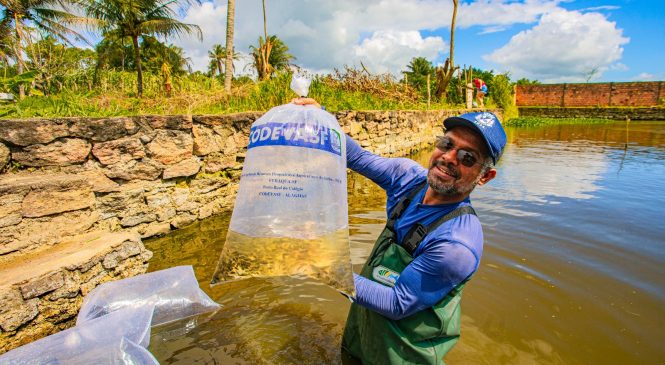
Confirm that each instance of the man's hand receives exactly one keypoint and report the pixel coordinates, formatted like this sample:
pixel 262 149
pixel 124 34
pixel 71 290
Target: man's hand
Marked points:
pixel 306 101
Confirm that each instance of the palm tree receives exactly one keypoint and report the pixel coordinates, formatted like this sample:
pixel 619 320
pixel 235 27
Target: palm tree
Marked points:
pixel 137 18
pixel 216 55
pixel 418 70
pixel 48 16
pixel 270 56
pixel 230 21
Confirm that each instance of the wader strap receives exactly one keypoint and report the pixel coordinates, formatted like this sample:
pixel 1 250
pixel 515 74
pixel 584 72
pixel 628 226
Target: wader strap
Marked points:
pixel 418 231
pixel 402 205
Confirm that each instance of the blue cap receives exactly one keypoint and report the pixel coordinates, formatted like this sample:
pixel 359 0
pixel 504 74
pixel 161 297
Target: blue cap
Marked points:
pixel 485 123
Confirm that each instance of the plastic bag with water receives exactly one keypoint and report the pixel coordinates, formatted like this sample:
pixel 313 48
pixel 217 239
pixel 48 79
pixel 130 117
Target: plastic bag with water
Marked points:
pixel 291 215
pixel 117 338
pixel 174 293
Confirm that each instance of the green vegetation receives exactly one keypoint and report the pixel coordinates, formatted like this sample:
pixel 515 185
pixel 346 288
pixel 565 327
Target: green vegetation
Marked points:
pixel 538 121
pixel 133 70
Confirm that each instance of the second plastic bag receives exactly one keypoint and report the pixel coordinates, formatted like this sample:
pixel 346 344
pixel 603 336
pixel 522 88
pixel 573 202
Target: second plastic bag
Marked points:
pixel 174 293
pixel 291 212
pixel 117 338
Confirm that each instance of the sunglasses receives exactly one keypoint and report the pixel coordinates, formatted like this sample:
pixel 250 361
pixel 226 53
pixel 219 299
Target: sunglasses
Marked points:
pixel 466 158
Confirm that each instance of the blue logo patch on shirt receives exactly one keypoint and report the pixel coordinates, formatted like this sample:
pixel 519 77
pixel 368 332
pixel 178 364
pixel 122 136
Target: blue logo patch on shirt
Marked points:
pixel 296 134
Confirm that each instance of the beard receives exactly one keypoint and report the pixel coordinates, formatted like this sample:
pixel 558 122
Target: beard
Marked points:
pixel 452 188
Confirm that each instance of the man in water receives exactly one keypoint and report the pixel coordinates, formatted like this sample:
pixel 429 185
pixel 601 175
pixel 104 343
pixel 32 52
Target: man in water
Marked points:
pixel 407 305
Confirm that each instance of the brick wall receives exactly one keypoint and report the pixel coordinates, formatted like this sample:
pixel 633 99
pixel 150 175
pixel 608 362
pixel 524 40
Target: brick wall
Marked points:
pixel 596 94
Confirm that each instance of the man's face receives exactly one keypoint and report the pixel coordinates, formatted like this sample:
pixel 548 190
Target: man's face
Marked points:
pixel 447 176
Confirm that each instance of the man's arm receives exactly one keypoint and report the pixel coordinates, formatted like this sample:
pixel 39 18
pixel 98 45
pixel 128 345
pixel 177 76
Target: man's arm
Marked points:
pixel 423 283
pixel 391 174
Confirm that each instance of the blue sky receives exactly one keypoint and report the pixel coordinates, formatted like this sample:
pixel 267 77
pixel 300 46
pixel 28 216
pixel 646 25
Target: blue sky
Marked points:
pixel 547 40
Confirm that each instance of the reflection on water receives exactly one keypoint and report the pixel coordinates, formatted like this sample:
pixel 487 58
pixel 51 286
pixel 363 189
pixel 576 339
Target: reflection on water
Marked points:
pixel 573 271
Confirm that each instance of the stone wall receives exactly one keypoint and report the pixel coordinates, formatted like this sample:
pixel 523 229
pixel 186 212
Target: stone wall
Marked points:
pixel 603 113
pixel 41 294
pixel 147 174
pixel 595 94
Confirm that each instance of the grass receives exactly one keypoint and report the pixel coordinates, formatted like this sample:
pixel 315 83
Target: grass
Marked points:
pixel 115 97
pixel 538 121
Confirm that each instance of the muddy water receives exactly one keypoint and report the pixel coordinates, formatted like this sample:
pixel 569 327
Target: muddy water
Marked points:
pixel 573 270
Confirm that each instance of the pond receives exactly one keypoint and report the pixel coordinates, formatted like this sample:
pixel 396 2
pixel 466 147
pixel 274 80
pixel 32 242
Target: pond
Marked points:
pixel 573 270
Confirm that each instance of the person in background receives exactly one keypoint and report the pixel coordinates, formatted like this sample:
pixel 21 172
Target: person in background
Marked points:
pixel 407 304
pixel 481 91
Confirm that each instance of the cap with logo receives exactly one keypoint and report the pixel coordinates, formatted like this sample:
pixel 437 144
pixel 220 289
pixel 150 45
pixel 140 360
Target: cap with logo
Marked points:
pixel 489 127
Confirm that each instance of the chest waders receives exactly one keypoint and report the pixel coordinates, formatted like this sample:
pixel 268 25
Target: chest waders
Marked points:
pixel 422 338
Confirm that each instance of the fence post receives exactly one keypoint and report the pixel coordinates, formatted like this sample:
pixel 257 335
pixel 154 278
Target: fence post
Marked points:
pixel 563 96
pixel 609 101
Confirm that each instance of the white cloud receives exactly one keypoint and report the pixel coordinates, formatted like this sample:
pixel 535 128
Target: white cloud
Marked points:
pixel 644 76
pixel 619 67
pixel 564 46
pixel 493 29
pixel 327 34
pixel 387 51
pixel 603 7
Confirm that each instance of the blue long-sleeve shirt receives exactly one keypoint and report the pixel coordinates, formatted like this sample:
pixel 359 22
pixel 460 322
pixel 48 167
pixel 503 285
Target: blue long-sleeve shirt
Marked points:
pixel 446 256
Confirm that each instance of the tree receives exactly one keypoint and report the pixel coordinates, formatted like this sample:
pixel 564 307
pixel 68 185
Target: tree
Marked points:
pixel 216 55
pixel 445 73
pixel 271 55
pixel 525 81
pixel 57 64
pixel 137 19
pixel 49 16
pixel 418 70
pixel 230 22
pixel 116 54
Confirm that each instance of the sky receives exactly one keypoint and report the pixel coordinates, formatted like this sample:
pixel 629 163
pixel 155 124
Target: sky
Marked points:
pixel 547 40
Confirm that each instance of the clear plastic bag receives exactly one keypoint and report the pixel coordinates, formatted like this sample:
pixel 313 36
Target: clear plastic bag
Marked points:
pixel 173 292
pixel 300 84
pixel 291 214
pixel 117 338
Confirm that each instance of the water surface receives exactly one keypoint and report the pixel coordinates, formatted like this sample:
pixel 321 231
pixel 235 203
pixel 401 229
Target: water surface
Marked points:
pixel 573 270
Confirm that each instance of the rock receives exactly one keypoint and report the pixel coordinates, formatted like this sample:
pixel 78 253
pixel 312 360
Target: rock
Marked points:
pixel 27 132
pixel 129 197
pixel 5 156
pixel 155 229
pixel 120 150
pixel 103 129
pixel 203 186
pixel 182 122
pixel 215 162
pixel 169 146
pixel 166 214
pixel 183 220
pixel 138 218
pixel 59 310
pixel 70 289
pixel 42 285
pixel 18 315
pixel 158 200
pixel 126 250
pixel 42 203
pixel 99 182
pixel 134 170
pixel 10 210
pixel 206 141
pixel 187 167
pixel 355 128
pixel 39 232
pixel 67 151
